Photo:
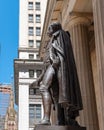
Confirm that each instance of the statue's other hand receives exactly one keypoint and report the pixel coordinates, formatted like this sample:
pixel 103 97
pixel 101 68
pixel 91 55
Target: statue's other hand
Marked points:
pixel 55 62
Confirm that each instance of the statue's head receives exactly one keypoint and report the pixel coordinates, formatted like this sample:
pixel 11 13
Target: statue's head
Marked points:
pixel 54 27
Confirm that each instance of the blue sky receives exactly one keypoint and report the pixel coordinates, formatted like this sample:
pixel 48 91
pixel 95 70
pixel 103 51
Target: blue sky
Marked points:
pixel 8 38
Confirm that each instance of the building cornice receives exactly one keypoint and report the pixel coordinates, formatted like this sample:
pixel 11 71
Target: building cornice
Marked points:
pixel 28 50
pixel 21 64
pixel 79 18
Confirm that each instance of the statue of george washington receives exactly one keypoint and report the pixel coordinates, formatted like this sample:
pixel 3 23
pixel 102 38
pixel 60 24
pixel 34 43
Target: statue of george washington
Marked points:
pixel 59 81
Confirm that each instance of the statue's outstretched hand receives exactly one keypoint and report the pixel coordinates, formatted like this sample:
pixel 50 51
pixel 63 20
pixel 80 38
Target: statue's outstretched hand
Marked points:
pixel 34 84
pixel 37 82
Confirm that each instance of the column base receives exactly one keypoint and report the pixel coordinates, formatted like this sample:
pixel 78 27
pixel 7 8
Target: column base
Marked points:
pixel 54 127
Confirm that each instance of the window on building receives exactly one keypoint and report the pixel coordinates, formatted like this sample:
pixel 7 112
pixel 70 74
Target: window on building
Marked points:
pixel 37 56
pixel 31 31
pixel 38 43
pixel 38 18
pixel 30 5
pixel 30 18
pixel 31 91
pixel 31 56
pixel 31 43
pixel 34 113
pixel 31 115
pixel 38 72
pixel 38 111
pixel 31 73
pixel 37 91
pixel 34 91
pixel 37 5
pixel 38 31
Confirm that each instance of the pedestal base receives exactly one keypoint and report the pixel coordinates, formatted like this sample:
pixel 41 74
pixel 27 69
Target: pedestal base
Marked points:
pixel 54 127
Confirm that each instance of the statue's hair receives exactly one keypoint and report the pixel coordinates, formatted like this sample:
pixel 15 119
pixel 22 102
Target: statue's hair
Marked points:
pixel 56 25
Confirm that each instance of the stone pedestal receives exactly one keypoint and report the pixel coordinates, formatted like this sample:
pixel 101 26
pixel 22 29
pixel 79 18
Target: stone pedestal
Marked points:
pixel 45 127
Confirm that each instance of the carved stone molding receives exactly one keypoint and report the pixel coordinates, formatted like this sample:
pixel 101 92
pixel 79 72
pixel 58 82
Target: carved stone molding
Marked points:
pixel 76 18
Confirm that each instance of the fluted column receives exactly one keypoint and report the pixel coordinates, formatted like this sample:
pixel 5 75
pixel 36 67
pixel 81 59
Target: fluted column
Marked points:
pixel 79 36
pixel 98 14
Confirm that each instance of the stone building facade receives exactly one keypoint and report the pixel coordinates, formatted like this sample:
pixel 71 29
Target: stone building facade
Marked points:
pixel 84 19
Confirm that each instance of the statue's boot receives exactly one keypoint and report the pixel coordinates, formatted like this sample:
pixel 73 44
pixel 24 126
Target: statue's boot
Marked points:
pixel 46 97
pixel 70 115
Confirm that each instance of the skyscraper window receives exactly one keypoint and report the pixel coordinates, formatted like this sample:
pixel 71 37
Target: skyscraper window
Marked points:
pixel 34 113
pixel 31 56
pixel 38 31
pixel 31 73
pixel 37 43
pixel 38 19
pixel 30 5
pixel 31 31
pixel 38 72
pixel 37 56
pixel 34 91
pixel 31 91
pixel 31 43
pixel 30 18
pixel 37 5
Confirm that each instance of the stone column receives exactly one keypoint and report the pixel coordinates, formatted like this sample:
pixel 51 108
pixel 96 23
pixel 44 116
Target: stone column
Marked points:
pixel 23 123
pixel 78 28
pixel 98 14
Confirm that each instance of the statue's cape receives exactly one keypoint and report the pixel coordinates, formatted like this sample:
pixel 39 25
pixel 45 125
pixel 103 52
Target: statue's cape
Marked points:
pixel 69 88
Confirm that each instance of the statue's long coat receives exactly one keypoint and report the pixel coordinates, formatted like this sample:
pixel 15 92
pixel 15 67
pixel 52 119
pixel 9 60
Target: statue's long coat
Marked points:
pixel 69 89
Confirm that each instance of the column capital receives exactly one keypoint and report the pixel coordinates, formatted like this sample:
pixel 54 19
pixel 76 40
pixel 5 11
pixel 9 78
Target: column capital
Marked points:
pixel 76 18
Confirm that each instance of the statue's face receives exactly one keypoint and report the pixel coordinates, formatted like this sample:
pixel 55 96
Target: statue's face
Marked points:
pixel 53 28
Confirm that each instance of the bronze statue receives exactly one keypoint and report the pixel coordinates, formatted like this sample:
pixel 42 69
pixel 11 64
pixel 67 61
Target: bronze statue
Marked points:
pixel 59 81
